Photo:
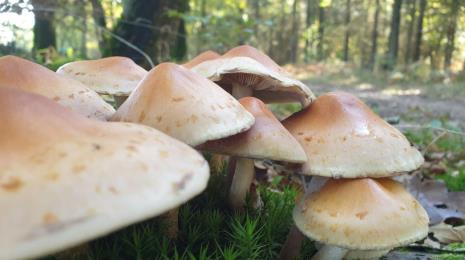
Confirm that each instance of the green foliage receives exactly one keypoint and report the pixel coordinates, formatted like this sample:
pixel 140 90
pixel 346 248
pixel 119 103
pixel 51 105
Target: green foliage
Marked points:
pixel 454 179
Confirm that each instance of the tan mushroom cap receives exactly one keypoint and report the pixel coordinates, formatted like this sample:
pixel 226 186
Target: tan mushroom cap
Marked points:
pixel 19 73
pixel 344 138
pixel 250 67
pixel 266 139
pixel 362 214
pixel 204 56
pixel 113 75
pixel 65 179
pixel 184 105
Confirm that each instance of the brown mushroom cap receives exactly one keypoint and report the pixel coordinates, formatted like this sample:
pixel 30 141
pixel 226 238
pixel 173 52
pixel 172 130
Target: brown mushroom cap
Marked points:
pixel 65 179
pixel 113 75
pixel 344 138
pixel 266 139
pixel 16 72
pixel 249 67
pixel 362 214
pixel 204 56
pixel 184 105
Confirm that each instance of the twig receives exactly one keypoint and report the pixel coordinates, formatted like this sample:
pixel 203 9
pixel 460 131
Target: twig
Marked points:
pixel 442 134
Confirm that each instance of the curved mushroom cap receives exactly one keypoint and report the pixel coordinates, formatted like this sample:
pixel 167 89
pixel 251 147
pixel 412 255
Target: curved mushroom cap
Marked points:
pixel 266 139
pixel 65 179
pixel 204 56
pixel 184 105
pixel 117 76
pixel 344 138
pixel 247 66
pixel 362 214
pixel 16 72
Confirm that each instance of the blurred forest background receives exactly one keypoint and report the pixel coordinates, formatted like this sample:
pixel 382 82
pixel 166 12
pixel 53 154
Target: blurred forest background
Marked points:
pixel 420 40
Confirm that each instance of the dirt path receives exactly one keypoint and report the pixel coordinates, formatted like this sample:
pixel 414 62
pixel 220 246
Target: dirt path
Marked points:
pixel 408 106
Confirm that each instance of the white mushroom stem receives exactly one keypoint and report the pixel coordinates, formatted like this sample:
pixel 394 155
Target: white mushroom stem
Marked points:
pixel 239 91
pixel 242 179
pixel 330 253
pixel 119 100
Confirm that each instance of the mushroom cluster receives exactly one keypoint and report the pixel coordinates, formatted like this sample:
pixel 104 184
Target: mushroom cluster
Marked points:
pixel 85 170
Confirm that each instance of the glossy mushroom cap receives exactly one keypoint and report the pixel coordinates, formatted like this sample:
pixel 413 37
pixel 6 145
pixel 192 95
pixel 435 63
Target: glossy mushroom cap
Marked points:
pixel 184 105
pixel 344 138
pixel 362 214
pixel 204 56
pixel 113 75
pixel 19 73
pixel 249 67
pixel 266 139
pixel 65 179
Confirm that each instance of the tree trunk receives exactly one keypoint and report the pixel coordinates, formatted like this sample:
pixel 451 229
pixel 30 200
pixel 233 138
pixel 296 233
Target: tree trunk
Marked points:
pixel 374 37
pixel 149 26
pixel 308 23
pixel 295 32
pixel 408 51
pixel 450 34
pixel 180 46
pixel 321 32
pixel 419 32
pixel 44 30
pixel 393 44
pixel 347 34
pixel 82 4
pixel 98 15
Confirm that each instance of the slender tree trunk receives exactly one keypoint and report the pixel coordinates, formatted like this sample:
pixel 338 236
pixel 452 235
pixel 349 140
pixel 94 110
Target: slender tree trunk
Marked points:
pixel 347 34
pixel 419 32
pixel 295 32
pixel 308 23
pixel 450 34
pixel 82 4
pixel 321 32
pixel 393 45
pixel 44 30
pixel 374 37
pixel 98 15
pixel 408 52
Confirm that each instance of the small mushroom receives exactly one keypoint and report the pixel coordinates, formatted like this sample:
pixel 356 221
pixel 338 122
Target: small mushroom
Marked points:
pixel 185 106
pixel 116 76
pixel 343 138
pixel 204 56
pixel 19 73
pixel 65 179
pixel 246 71
pixel 360 214
pixel 267 139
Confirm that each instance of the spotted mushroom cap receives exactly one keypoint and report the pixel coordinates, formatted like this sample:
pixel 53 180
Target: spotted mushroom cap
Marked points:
pixel 247 66
pixel 185 106
pixel 116 76
pixel 204 56
pixel 266 139
pixel 65 179
pixel 19 73
pixel 344 138
pixel 362 214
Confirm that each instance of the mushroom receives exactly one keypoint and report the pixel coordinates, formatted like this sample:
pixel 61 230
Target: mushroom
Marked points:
pixel 204 56
pixel 343 138
pixel 16 72
pixel 116 76
pixel 360 214
pixel 65 179
pixel 246 71
pixel 267 139
pixel 184 105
